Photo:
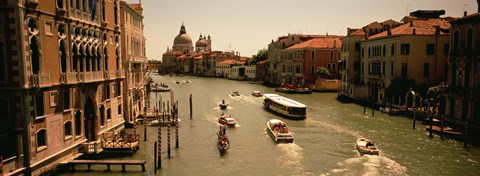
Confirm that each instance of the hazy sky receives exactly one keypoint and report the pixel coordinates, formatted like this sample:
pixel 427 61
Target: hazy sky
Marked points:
pixel 249 25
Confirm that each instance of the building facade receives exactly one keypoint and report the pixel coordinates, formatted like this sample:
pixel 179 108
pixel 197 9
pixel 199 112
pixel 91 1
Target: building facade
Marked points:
pixel 134 60
pixel 61 80
pixel 460 103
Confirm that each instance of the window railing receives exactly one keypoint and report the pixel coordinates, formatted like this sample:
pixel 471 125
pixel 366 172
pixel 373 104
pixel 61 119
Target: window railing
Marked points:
pixel 40 80
pixel 68 78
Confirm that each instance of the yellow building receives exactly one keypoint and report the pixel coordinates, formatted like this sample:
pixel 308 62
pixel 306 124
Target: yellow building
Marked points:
pixel 416 50
pixel 134 60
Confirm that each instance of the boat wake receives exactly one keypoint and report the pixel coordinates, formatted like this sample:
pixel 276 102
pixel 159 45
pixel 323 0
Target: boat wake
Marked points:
pixel 368 165
pixel 335 128
pixel 291 158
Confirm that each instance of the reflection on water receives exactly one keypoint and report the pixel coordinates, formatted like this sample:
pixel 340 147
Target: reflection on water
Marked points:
pixel 324 141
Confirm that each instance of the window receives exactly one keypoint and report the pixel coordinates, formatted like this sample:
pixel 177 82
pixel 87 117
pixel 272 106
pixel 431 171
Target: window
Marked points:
pixel 430 49
pixel 392 69
pixel 313 70
pixel 48 28
pixel 119 111
pixel 456 36
pixel 35 55
pixel 107 91
pixel 39 105
pixel 331 55
pixel 115 12
pixel 109 114
pixel 313 55
pixel 426 70
pixel 41 139
pixel 469 38
pixel 363 52
pixel 383 68
pixel 63 57
pixel 53 98
pixel 392 50
pixel 384 50
pixel 405 49
pixel 60 4
pixel 117 89
pixel 446 48
pixel 404 70
pixel 369 52
pixel 3 69
pixel 103 11
pixel 357 46
pixel 102 115
pixel 333 66
pixel 78 123
pixel 67 130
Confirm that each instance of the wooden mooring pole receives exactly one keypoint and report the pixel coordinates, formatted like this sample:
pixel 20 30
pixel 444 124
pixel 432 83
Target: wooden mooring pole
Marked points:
pixel 168 136
pixel 364 109
pixel 430 121
pixel 414 110
pixel 159 155
pixel 373 110
pixel 465 135
pixel 191 109
pixel 144 131
pixel 442 121
pixel 176 125
pixel 155 157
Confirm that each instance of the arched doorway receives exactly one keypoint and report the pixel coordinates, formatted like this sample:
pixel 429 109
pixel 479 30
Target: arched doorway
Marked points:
pixel 90 118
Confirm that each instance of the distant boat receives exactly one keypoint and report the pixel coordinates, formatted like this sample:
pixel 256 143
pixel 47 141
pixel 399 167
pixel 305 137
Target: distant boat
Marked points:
pixel 279 132
pixel 365 146
pixel 302 90
pixel 284 90
pixel 235 93
pixel 257 93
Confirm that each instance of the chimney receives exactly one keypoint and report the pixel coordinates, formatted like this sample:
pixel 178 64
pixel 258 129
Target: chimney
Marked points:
pixel 414 31
pixel 478 6
pixel 464 13
pixel 389 32
pixel 411 23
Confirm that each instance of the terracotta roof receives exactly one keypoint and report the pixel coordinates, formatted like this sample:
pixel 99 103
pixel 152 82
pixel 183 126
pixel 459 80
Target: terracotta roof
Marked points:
pixel 198 57
pixel 358 32
pixel 183 56
pixel 327 42
pixel 227 62
pixel 420 26
pixel 176 53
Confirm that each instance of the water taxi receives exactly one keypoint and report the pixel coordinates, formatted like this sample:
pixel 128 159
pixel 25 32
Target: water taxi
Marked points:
pixel 365 146
pixel 227 120
pixel 285 106
pixel 235 93
pixel 278 130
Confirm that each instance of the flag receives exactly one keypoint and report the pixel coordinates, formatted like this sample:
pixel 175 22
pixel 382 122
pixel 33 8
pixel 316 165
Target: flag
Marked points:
pixel 93 8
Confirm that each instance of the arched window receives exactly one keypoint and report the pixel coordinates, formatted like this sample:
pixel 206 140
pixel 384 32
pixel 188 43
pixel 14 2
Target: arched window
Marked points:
pixel 117 58
pixel 63 56
pixel 88 58
pixel 105 55
pixel 78 123
pixel 81 58
pixel 102 115
pixel 67 129
pixel 115 11
pixel 41 139
pixel 75 57
pixel 103 11
pixel 60 4
pixel 35 54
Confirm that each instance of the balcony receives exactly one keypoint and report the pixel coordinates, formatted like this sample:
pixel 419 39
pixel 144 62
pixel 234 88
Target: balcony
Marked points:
pixel 94 147
pixel 68 78
pixel 120 74
pixel 87 77
pixel 40 80
pixel 106 75
pixel 137 59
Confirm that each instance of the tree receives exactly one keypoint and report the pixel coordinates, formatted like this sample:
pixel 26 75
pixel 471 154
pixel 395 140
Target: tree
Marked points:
pixel 322 72
pixel 262 55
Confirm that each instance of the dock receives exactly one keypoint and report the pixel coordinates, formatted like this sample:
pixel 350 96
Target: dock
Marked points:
pixel 447 131
pixel 108 163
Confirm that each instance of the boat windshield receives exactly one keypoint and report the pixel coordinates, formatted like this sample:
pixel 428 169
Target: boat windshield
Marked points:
pixel 296 111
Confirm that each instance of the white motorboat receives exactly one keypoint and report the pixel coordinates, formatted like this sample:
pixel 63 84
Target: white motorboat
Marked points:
pixel 278 130
pixel 365 146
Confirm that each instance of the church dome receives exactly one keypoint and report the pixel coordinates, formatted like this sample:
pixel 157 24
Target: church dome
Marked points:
pixel 201 43
pixel 182 39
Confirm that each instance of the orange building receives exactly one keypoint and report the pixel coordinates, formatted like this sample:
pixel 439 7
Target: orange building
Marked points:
pixel 304 59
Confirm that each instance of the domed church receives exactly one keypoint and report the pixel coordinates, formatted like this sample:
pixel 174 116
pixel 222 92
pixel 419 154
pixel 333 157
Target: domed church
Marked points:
pixel 183 42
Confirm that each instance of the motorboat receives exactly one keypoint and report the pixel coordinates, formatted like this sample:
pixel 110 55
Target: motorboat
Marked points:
pixel 235 93
pixel 160 89
pixel 227 120
pixel 257 93
pixel 279 132
pixel 365 146
pixel 302 90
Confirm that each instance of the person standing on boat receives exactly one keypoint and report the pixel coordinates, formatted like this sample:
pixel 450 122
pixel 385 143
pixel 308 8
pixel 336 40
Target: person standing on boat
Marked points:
pixel 223 101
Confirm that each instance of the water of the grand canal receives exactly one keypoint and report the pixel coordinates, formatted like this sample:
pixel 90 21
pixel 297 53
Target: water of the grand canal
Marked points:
pixel 323 145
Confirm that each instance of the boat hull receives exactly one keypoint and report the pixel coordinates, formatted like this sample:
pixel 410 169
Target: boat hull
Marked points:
pixel 363 149
pixel 279 137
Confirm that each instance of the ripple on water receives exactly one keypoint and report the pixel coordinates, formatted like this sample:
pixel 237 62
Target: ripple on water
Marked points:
pixel 368 165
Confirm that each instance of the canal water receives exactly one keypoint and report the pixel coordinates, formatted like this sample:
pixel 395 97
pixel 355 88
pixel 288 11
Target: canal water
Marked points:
pixel 324 142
